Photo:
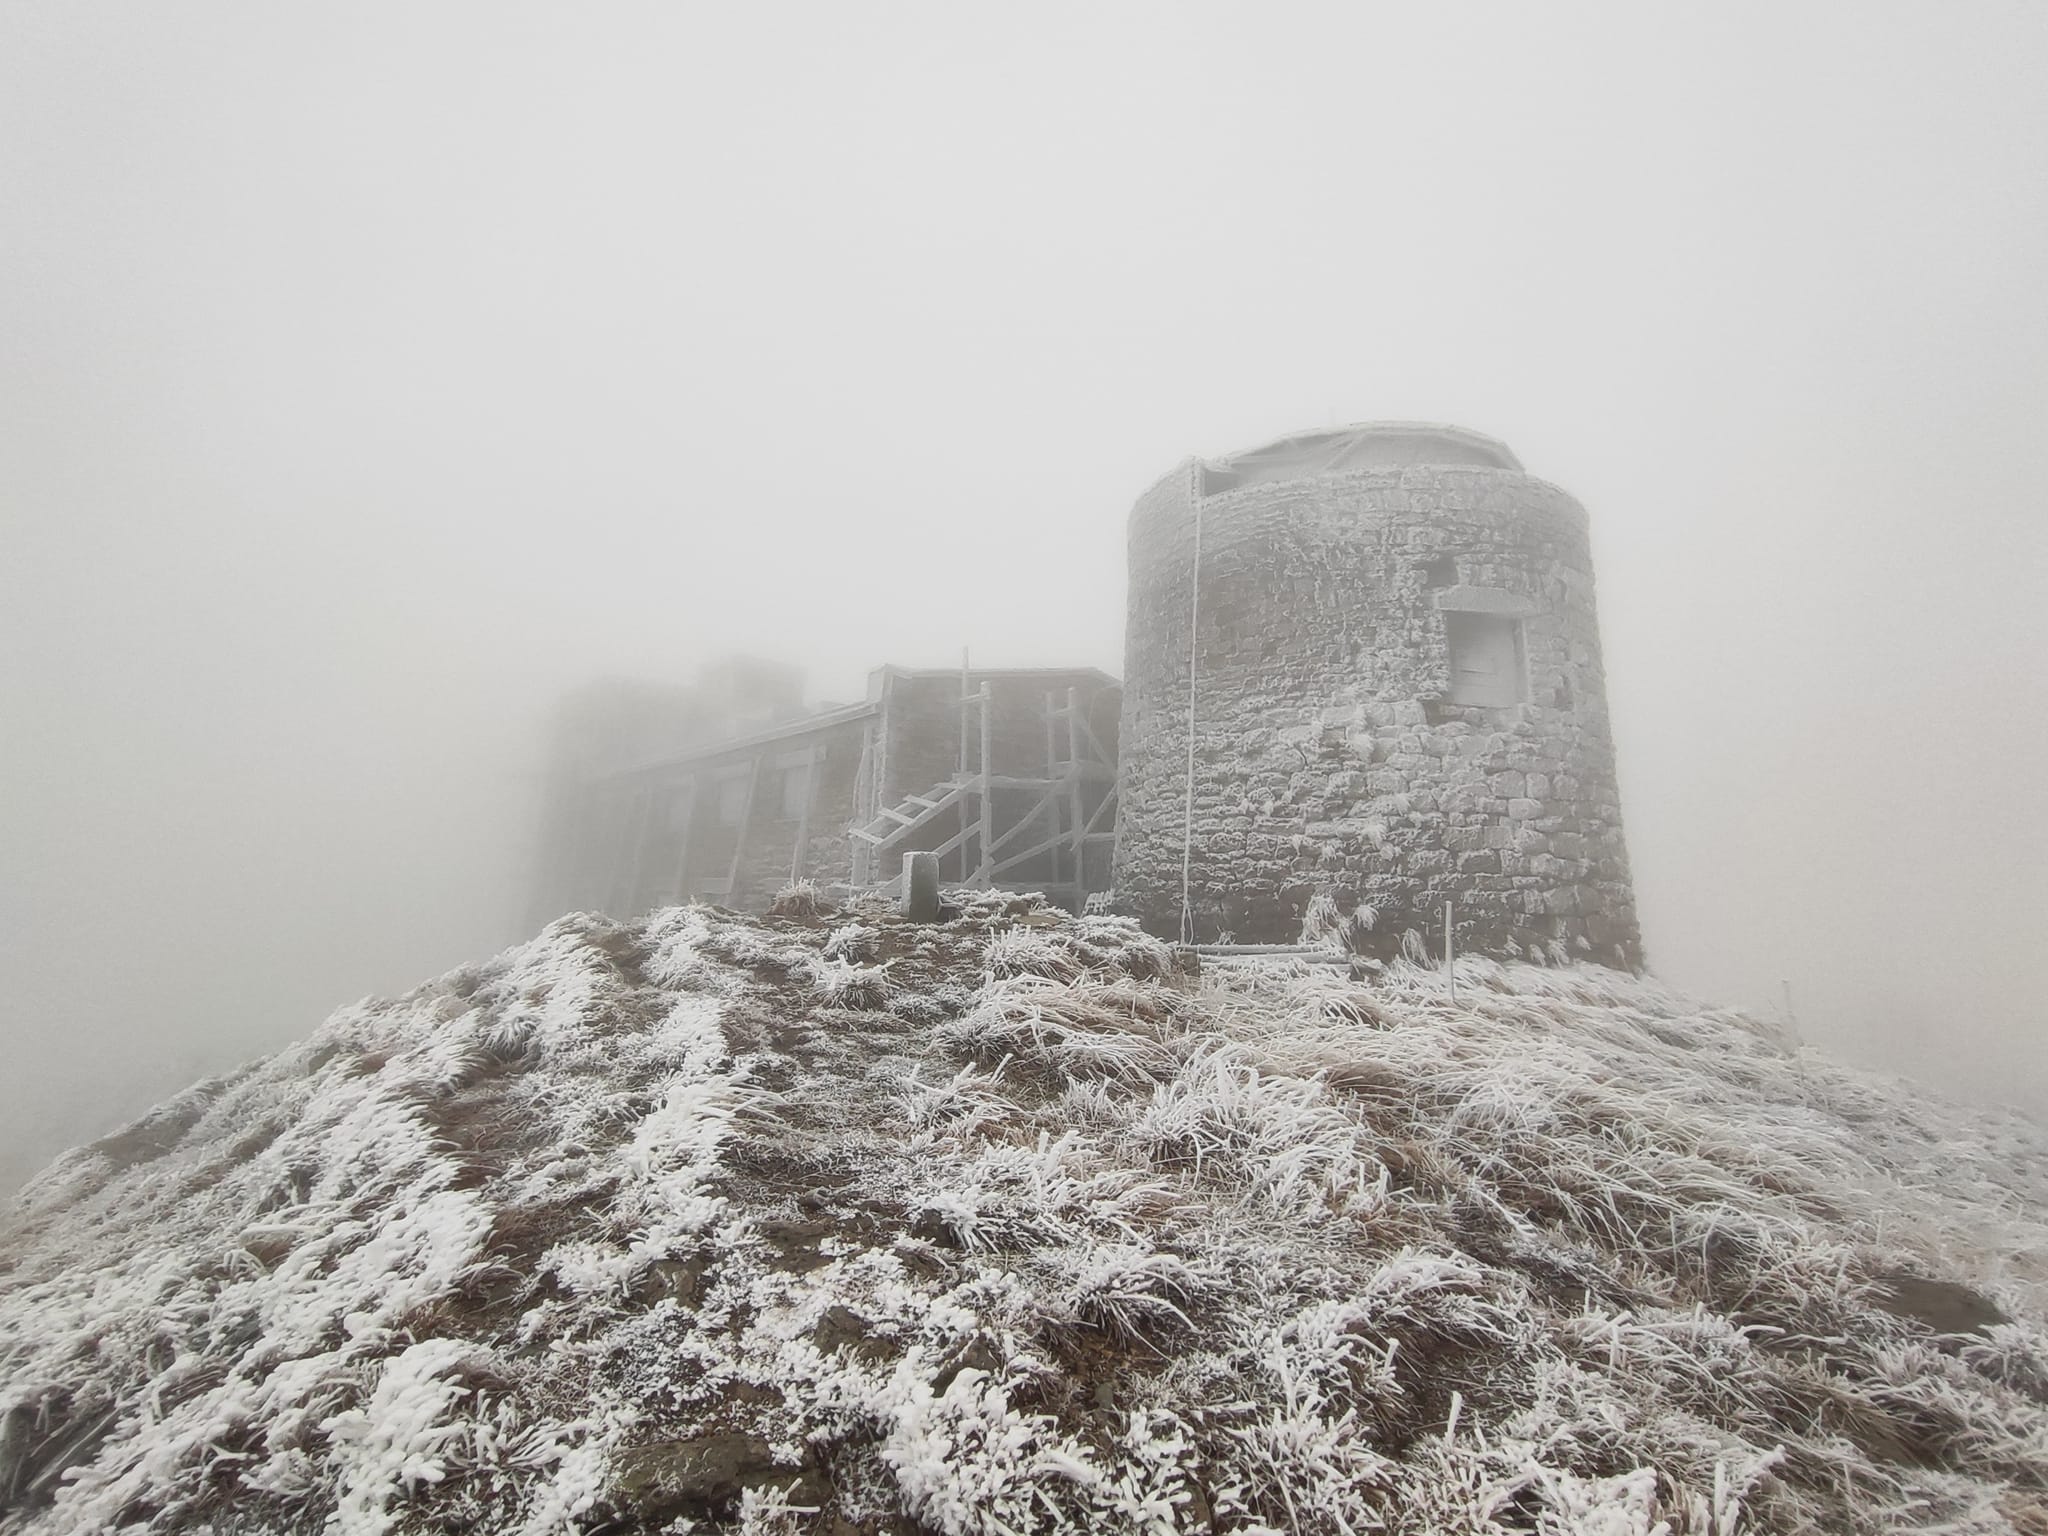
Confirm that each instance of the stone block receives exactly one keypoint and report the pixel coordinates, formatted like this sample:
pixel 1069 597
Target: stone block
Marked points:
pixel 1464 797
pixel 1524 810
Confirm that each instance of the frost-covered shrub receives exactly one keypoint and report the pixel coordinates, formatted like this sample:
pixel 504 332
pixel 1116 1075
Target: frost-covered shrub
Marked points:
pixel 1135 1291
pixel 1089 1027
pixel 799 898
pixel 1324 922
pixel 1128 949
pixel 954 998
pixel 1030 952
pixel 842 984
pixel 761 951
pixel 967 1101
pixel 402 1437
pixel 1279 1139
pixel 854 942
pixel 918 1008
pixel 1276 1251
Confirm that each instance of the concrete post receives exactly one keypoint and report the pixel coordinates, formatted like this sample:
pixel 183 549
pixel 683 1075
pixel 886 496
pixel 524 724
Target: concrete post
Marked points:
pixel 921 887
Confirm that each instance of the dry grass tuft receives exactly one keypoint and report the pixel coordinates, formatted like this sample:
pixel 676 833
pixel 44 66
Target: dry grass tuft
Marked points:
pixel 799 898
pixel 712 1221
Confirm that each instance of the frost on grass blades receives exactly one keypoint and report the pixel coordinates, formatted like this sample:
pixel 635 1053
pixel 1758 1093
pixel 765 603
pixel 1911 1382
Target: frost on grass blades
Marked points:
pixel 828 1222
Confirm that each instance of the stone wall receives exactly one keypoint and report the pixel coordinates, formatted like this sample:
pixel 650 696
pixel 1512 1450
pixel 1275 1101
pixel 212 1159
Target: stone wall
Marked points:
pixel 670 834
pixel 596 802
pixel 1329 758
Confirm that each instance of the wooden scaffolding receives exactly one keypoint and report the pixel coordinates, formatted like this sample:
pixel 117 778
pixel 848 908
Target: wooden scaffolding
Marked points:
pixel 1021 832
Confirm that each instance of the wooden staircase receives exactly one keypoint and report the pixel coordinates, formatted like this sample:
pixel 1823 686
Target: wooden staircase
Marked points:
pixel 995 812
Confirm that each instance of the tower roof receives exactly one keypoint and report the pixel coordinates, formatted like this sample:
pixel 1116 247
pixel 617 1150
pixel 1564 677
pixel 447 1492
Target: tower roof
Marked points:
pixel 1362 445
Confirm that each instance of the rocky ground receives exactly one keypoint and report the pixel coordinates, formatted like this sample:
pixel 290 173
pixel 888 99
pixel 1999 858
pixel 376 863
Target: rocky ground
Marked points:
pixel 826 1222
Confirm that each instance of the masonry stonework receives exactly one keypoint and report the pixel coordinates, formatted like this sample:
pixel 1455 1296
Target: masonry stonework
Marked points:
pixel 1398 700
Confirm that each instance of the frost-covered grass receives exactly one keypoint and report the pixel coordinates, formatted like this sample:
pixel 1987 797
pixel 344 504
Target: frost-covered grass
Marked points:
pixel 825 1222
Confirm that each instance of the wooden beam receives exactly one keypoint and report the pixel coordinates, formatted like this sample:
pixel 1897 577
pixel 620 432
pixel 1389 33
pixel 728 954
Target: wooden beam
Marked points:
pixel 988 809
pixel 1101 754
pixel 905 823
pixel 803 822
pixel 1079 854
pixel 1090 773
pixel 739 841
pixel 1052 763
pixel 863 786
pixel 626 869
pixel 1036 848
pixel 957 840
pixel 1023 823
pixel 965 696
pixel 1108 800
pixel 682 885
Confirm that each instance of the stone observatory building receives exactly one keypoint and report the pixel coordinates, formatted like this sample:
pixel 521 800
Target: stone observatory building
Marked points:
pixel 1390 698
pixel 1397 701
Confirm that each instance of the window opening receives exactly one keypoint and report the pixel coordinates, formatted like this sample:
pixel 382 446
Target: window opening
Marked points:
pixel 1487 663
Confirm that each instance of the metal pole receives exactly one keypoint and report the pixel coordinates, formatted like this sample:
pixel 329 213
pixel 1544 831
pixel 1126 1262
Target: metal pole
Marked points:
pixel 1450 957
pixel 1187 827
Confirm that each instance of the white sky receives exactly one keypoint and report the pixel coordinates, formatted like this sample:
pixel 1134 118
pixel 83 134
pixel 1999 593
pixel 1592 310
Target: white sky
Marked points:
pixel 371 373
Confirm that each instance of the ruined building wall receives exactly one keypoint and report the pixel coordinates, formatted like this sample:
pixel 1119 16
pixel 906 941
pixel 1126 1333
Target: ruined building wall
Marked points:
pixel 920 741
pixel 725 825
pixel 1338 618
pixel 722 821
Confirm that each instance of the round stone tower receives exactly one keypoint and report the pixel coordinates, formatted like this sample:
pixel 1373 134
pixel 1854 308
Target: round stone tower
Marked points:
pixel 1398 701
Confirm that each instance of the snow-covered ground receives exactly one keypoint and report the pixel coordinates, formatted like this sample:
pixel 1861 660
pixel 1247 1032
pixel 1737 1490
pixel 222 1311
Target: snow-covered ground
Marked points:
pixel 827 1222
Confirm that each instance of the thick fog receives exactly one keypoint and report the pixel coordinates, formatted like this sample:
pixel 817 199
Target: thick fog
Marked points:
pixel 371 375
